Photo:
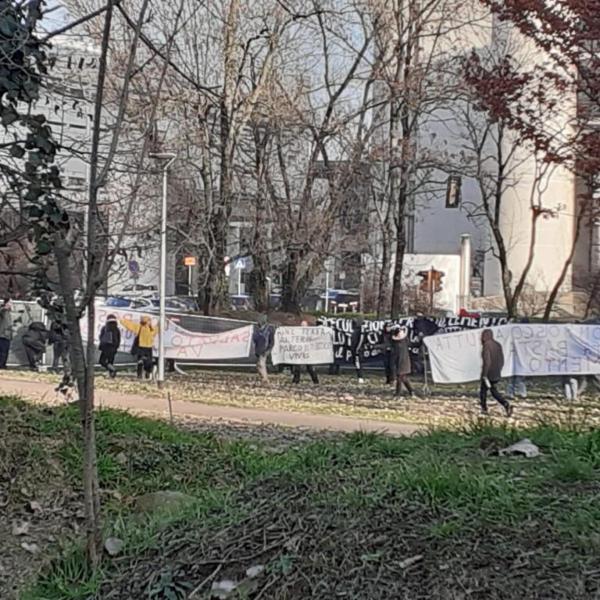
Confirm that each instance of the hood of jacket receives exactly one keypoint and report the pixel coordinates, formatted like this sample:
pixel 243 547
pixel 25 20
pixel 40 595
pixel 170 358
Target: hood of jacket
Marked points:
pixel 487 336
pixel 38 326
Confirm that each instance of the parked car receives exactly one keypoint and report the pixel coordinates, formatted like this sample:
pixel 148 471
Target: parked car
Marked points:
pixel 178 303
pixel 124 302
pixel 173 303
pixel 139 291
pixel 241 302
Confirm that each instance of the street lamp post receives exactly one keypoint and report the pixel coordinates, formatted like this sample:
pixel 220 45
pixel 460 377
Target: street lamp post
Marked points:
pixel 328 268
pixel 168 159
pixel 326 289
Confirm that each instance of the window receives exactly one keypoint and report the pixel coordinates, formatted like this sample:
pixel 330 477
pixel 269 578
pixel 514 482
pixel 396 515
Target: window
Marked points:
pixel 76 182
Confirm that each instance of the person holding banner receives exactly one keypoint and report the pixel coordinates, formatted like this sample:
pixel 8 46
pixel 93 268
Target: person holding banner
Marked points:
pixel 401 366
pixel 492 357
pixel 144 333
pixel 297 369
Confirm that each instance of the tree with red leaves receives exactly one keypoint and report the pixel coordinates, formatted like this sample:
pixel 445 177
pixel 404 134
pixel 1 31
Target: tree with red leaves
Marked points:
pixel 568 33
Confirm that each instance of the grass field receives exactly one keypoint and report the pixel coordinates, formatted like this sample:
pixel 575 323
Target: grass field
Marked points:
pixel 435 516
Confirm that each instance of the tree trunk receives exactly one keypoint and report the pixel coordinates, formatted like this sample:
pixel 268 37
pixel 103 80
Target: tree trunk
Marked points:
pixel 217 288
pixel 259 284
pixel 400 247
pixel 384 277
pixel 523 278
pixel 396 308
pixel 594 295
pixel 563 274
pixel 217 282
pixel 85 387
pixel 290 301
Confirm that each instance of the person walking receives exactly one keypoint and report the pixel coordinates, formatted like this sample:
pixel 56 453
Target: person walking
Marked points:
pixel 400 356
pixel 110 340
pixel 143 343
pixel 297 369
pixel 357 341
pixel 5 331
pixel 34 342
pixel 58 338
pixel 492 357
pixel 516 387
pixel 263 339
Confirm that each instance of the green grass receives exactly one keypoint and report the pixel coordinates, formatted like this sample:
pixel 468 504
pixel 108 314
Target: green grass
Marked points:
pixel 436 490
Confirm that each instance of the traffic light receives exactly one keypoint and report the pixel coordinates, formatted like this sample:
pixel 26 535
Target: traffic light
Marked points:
pixel 431 281
pixel 424 284
pixel 453 191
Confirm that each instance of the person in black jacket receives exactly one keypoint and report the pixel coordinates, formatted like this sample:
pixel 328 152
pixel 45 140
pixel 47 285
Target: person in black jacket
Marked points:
pixel 59 339
pixel 110 340
pixel 34 342
pixel 492 358
pixel 357 341
pixel 263 340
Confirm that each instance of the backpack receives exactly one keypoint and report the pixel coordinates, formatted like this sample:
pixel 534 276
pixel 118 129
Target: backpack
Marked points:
pixel 263 339
pixel 106 337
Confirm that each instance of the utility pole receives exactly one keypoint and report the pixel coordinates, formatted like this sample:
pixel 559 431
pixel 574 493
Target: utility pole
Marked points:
pixel 169 159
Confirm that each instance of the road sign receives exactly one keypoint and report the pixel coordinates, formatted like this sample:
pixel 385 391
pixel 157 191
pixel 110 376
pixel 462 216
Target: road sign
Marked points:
pixel 240 264
pixel 134 267
pixel 189 261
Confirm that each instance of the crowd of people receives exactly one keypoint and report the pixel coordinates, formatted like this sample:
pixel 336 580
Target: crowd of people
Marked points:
pixel 394 348
pixel 38 338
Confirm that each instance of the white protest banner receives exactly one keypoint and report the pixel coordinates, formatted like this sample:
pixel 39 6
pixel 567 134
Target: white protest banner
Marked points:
pixel 303 346
pixel 529 350
pixel 180 343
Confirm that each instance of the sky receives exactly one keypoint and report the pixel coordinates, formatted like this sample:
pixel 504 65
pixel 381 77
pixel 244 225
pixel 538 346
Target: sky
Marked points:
pixel 57 15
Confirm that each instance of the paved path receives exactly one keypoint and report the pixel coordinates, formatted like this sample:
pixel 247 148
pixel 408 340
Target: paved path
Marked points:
pixel 41 391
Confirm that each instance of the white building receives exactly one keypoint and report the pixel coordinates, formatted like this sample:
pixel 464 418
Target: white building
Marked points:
pixel 530 186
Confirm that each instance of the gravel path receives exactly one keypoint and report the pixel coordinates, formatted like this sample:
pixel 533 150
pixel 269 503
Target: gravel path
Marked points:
pixel 44 392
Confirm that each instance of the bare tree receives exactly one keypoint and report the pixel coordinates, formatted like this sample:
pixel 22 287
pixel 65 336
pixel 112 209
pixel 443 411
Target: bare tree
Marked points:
pixel 111 101
pixel 415 43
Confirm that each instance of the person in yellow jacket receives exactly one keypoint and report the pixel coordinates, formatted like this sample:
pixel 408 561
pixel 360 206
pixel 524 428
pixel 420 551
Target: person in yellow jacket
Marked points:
pixel 145 333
